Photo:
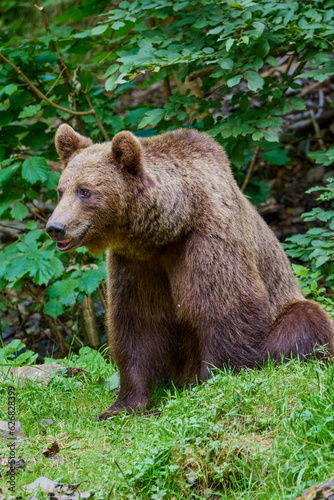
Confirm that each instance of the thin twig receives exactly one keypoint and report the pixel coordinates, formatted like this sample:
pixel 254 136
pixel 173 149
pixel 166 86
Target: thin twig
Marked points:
pixel 97 119
pixel 202 72
pixel 63 71
pixel 91 329
pixel 250 168
pixel 55 82
pixel 289 63
pixel 296 72
pixel 167 86
pixel 102 294
pixel 67 330
pixel 310 88
pixel 317 131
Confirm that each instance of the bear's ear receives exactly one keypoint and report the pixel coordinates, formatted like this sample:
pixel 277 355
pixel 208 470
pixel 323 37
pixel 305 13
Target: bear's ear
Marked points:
pixel 126 152
pixel 68 141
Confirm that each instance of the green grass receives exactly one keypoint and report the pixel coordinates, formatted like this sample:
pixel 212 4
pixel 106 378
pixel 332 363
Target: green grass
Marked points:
pixel 260 434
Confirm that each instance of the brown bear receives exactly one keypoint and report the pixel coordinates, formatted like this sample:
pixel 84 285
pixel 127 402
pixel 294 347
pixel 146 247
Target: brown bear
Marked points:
pixel 196 279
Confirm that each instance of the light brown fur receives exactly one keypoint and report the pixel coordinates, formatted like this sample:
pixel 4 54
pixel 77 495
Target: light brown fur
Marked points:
pixel 196 278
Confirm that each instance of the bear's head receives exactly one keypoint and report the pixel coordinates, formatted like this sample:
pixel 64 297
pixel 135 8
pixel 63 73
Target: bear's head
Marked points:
pixel 95 189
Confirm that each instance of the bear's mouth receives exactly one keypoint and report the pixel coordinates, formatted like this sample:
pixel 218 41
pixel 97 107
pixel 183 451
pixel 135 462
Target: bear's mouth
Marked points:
pixel 65 245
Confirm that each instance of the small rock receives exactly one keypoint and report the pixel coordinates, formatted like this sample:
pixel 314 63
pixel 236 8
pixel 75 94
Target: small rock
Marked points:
pixel 46 421
pixel 12 430
pixel 19 463
pixel 67 492
pixel 43 483
pixel 37 373
pixel 191 477
pixel 315 173
pixel 317 491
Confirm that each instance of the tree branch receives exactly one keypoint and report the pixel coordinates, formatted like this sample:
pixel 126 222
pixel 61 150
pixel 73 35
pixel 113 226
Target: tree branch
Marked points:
pixel 97 119
pixel 63 71
pixel 250 169
pixel 41 95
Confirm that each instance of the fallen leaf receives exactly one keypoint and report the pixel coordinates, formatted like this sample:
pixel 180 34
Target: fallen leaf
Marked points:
pixel 51 450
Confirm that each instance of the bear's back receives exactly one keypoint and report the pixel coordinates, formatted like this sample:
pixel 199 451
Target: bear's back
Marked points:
pixel 198 164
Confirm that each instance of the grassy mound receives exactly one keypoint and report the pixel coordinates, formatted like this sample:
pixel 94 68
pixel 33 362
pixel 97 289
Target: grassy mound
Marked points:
pixel 259 434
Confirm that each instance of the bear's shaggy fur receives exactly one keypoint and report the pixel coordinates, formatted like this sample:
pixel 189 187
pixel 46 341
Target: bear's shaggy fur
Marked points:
pixel 196 279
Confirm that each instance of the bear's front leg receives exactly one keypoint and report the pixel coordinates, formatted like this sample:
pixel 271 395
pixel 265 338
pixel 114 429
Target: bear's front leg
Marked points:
pixel 134 393
pixel 139 329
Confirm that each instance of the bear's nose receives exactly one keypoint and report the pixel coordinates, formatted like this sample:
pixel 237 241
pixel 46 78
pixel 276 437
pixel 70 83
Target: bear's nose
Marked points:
pixel 56 231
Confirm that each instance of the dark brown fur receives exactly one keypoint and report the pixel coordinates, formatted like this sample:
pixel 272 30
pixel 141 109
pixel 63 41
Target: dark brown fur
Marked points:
pixel 196 279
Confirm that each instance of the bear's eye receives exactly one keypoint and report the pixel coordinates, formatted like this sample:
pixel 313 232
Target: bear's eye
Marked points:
pixel 84 193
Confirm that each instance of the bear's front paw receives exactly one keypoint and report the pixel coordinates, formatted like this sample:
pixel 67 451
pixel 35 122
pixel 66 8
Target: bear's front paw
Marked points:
pixel 117 408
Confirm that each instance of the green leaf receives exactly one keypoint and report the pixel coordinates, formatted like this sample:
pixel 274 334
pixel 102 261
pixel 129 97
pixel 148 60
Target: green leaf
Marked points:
pixel 98 30
pixel 19 211
pixel 7 172
pixel 262 48
pixel 90 281
pixel 54 308
pixel 254 80
pixel 152 117
pixel 234 81
pixel 297 103
pixel 229 44
pixel 257 135
pixel 61 289
pixel 322 260
pixel 10 89
pixel 324 157
pixel 272 61
pixel 270 136
pixel 276 157
pixel 35 169
pixel 114 80
pixel 111 83
pixel 299 270
pixel 31 224
pixel 117 25
pixel 52 180
pixel 29 111
pixel 216 30
pixel 17 268
pixel 226 63
pixel 113 381
pixel 86 79
pixel 259 27
pixel 57 267
pixel 41 271
pixel 111 70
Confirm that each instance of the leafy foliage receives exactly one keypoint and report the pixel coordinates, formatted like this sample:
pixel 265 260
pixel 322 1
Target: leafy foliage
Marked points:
pixel 88 60
pixel 11 355
pixel 316 248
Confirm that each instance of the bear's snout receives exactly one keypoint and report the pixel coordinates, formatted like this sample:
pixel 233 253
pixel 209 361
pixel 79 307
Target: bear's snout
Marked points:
pixel 56 231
